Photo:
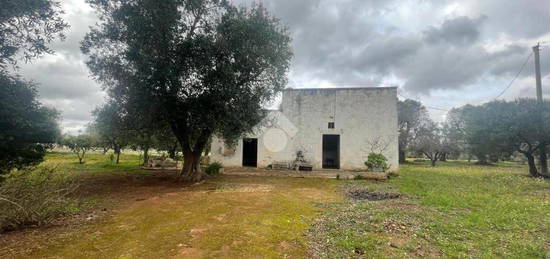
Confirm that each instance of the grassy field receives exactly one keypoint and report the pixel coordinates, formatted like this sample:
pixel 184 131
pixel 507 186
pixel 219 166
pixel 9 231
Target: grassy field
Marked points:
pixel 455 210
pixel 149 215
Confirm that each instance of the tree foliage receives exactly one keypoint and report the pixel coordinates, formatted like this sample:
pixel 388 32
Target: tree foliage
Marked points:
pixel 453 134
pixel 79 145
pixel 498 129
pixel 27 128
pixel 411 116
pixel 429 142
pixel 26 27
pixel 111 128
pixel 209 66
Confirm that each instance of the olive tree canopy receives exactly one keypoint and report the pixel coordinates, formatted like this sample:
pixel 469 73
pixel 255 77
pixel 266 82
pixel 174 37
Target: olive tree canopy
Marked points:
pixel 26 27
pixel 412 115
pixel 209 66
pixel 27 128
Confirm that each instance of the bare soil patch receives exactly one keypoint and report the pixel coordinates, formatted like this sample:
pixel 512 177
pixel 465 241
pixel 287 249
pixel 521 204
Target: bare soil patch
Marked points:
pixel 365 194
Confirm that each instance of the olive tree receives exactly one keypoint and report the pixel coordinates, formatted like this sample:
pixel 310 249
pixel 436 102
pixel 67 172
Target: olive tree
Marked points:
pixel 210 66
pixel 110 127
pixel 27 128
pixel 79 145
pixel 411 115
pixel 503 127
pixel 429 142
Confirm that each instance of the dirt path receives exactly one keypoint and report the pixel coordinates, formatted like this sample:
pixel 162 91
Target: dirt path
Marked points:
pixel 230 216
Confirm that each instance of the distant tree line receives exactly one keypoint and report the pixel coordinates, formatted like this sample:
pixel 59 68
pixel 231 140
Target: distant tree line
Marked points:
pixel 489 132
pixel 114 130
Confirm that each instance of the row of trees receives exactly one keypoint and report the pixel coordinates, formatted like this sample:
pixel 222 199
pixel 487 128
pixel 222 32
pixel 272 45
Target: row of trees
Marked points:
pixel 113 130
pixel 489 132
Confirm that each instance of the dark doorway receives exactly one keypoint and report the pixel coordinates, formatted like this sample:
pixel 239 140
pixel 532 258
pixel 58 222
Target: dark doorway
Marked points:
pixel 331 151
pixel 250 152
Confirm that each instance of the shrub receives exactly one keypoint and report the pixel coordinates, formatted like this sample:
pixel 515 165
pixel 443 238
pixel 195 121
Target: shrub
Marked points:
pixel 111 157
pixel 213 168
pixel 377 161
pixel 34 197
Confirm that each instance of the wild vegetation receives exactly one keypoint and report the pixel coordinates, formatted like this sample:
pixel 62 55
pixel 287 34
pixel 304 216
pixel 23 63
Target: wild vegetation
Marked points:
pixel 35 197
pixel 490 132
pixel 457 209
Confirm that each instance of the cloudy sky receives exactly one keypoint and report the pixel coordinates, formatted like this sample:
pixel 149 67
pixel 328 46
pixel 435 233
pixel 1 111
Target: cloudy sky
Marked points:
pixel 444 53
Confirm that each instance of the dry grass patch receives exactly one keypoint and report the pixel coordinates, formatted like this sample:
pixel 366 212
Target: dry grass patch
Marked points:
pixel 224 217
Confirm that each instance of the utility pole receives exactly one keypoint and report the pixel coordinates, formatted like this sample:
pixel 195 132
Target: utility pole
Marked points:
pixel 536 51
pixel 543 154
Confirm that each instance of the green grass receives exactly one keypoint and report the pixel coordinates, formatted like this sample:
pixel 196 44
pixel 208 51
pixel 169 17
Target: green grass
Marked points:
pixel 94 162
pixel 453 210
pixel 227 216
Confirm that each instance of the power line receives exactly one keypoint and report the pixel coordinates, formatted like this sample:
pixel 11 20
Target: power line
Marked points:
pixel 517 75
pixel 501 93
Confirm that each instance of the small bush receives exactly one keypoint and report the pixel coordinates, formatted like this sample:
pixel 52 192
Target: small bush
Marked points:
pixel 213 168
pixel 376 161
pixel 111 157
pixel 34 197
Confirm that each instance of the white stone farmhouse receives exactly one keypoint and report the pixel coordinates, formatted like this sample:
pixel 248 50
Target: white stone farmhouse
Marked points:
pixel 332 128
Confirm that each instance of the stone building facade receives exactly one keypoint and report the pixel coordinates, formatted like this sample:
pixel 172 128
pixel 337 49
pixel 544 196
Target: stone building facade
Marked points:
pixel 331 128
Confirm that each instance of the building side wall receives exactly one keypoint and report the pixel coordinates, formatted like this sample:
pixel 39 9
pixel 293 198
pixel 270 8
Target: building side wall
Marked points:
pixel 365 119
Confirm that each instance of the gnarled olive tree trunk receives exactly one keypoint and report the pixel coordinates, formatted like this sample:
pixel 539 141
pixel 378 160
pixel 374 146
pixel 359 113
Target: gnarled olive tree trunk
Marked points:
pixel 532 166
pixel 191 170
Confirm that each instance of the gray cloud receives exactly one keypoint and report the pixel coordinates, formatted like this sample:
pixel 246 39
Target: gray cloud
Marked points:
pixel 441 67
pixel 62 78
pixel 349 42
pixel 451 49
pixel 520 19
pixel 459 31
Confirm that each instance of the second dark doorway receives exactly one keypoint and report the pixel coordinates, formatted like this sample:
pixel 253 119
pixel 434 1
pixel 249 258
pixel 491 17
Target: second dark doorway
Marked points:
pixel 250 152
pixel 331 151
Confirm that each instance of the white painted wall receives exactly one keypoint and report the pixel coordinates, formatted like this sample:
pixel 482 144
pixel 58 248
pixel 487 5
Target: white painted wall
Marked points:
pixel 361 116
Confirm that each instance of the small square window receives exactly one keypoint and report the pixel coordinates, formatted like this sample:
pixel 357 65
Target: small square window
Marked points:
pixel 331 125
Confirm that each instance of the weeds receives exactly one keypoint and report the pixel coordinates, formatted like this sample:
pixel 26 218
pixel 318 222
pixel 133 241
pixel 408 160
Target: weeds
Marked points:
pixel 213 168
pixel 35 197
